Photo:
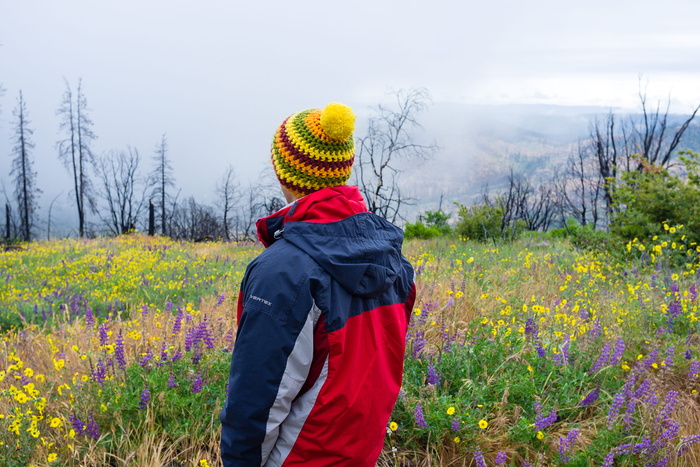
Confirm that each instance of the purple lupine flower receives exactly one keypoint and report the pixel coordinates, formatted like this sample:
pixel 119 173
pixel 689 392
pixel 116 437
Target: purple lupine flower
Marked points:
pixel 565 349
pixel 163 355
pixel 538 409
pixel 619 350
pixel 609 460
pixel 103 334
pixel 456 424
pixel 686 442
pixel 688 354
pixel 177 325
pixel 479 459
pixel 197 384
pixel 420 417
pixel 650 359
pixel 674 287
pixel 220 299
pixel 642 392
pixel 145 397
pixel 78 425
pixel 99 374
pixel 177 356
pixel 674 311
pixel 694 369
pixel 434 377
pixel 629 412
pixel 540 351
pixel 668 435
pixel 169 306
pixel 146 357
pixel 204 334
pixel 144 310
pixel 501 458
pixel 669 406
pixel 189 339
pixel 590 398
pixel 584 314
pixel 643 446
pixel 597 328
pixel 196 356
pixel 172 382
pixel 668 361
pixel 565 445
pixel 228 339
pixel 544 422
pixel 602 359
pixel 418 344
pixel 92 429
pixel 615 407
pixel 531 328
pixel 119 351
pixel 89 317
pixel 693 291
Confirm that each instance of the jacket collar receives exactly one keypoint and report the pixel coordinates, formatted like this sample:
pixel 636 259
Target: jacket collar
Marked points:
pixel 330 204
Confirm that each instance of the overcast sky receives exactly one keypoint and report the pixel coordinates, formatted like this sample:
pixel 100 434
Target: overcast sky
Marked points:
pixel 217 77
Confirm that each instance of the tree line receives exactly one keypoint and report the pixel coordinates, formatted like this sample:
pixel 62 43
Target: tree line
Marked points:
pixel 121 195
pixel 591 188
pixel 118 191
pixel 624 179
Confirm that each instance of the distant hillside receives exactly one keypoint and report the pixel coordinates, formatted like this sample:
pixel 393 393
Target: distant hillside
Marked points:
pixel 479 145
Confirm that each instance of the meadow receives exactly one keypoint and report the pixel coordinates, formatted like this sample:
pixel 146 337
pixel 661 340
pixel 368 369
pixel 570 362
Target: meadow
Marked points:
pixel 116 352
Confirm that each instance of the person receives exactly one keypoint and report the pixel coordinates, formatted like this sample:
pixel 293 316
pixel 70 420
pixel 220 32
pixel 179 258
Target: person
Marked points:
pixel 322 313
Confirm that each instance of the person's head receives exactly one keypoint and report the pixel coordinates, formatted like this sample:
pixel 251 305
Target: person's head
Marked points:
pixel 314 149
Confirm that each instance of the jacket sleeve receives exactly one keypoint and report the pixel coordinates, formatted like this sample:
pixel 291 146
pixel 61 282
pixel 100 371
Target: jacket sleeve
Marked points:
pixel 270 362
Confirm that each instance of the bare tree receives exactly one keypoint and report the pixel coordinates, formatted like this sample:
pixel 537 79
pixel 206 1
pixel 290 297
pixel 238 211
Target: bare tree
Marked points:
pixel 390 139
pixel 228 192
pixel 122 190
pixel 579 187
pixel 162 179
pixel 24 175
pixel 249 210
pixel 196 222
pixel 75 151
pixel 522 202
pixel 639 141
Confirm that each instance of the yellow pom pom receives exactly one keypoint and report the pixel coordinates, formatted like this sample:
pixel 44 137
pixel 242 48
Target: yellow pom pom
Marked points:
pixel 338 121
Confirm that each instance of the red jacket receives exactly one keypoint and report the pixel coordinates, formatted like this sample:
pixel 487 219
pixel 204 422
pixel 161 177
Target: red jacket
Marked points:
pixel 322 320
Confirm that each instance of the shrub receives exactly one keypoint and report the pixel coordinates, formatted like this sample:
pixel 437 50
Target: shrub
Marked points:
pixel 484 222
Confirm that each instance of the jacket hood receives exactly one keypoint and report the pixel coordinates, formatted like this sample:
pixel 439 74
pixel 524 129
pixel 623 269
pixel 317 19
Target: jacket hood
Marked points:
pixel 361 251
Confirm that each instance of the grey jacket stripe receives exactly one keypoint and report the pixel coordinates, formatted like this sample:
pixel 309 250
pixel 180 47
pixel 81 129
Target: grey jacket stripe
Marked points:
pixel 295 373
pixel 290 429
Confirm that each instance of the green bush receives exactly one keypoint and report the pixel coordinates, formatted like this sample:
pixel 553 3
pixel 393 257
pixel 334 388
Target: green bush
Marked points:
pixel 648 199
pixel 429 225
pixel 484 222
pixel 420 230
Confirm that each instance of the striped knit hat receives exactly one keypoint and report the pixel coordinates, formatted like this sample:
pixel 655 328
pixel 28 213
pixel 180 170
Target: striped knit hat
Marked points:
pixel 314 149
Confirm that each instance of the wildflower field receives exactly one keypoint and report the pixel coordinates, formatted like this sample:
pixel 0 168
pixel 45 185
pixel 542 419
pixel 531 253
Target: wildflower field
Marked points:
pixel 116 352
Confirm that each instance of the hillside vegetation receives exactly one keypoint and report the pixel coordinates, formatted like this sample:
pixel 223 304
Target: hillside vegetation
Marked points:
pixel 530 354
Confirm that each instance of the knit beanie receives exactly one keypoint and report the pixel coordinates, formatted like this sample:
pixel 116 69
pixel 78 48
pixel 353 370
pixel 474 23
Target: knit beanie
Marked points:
pixel 314 149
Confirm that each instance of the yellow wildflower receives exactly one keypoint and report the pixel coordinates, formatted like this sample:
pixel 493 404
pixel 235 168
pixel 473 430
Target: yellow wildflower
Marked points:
pixel 483 424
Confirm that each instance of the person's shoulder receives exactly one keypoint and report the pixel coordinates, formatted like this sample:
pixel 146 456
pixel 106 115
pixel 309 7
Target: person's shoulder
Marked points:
pixel 282 256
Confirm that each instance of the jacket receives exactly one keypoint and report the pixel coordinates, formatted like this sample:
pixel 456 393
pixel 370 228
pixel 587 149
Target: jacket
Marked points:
pixel 322 319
